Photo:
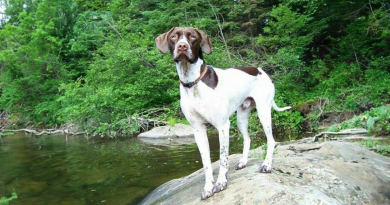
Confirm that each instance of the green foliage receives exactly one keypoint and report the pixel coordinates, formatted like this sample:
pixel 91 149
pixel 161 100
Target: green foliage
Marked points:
pixel 288 121
pixel 5 201
pixel 382 149
pixel 287 34
pixel 94 63
pixel 31 60
pixel 369 143
pixel 376 121
pixel 6 133
pixel 118 84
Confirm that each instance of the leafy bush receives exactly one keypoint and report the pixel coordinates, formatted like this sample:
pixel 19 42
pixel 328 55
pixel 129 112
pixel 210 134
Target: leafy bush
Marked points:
pixel 376 121
pixel 382 149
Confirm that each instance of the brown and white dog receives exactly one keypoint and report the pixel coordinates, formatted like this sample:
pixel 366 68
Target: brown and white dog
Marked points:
pixel 211 95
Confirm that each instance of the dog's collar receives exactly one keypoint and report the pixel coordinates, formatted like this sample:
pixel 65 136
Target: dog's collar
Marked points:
pixel 190 84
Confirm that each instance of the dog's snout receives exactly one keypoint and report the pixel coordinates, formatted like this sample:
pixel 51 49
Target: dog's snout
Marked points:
pixel 182 46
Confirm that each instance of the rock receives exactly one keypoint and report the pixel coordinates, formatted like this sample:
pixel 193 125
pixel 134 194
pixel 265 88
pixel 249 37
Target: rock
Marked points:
pixel 158 132
pixel 182 130
pixel 325 173
pixel 178 130
pixel 168 141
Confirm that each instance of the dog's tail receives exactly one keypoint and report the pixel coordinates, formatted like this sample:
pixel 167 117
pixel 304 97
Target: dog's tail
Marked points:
pixel 279 108
pixel 260 70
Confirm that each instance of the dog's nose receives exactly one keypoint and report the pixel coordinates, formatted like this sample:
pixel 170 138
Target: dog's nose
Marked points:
pixel 182 47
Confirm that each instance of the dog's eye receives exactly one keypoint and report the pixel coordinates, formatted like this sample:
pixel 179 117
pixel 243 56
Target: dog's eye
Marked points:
pixel 193 37
pixel 174 37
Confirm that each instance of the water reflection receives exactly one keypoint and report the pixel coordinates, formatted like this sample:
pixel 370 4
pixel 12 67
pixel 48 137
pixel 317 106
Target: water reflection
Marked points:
pixel 74 170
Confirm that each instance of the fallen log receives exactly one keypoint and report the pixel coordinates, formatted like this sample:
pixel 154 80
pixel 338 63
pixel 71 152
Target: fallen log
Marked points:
pixel 342 132
pixel 45 132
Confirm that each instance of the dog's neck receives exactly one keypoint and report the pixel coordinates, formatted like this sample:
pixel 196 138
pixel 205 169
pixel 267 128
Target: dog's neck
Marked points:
pixel 189 72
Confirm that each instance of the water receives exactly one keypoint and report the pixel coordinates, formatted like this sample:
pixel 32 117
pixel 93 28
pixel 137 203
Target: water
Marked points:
pixel 74 170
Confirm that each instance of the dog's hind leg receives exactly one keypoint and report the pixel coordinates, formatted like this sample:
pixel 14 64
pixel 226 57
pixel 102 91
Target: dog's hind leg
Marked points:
pixel 243 113
pixel 264 112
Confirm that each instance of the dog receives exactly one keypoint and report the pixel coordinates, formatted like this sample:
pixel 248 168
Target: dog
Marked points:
pixel 211 95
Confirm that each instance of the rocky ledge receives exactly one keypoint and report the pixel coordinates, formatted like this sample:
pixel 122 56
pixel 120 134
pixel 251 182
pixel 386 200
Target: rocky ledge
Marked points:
pixel 304 172
pixel 162 132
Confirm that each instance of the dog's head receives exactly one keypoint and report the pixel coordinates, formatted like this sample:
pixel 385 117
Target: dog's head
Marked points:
pixel 185 43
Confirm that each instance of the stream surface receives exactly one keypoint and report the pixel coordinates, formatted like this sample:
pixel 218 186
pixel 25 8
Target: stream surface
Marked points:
pixel 73 170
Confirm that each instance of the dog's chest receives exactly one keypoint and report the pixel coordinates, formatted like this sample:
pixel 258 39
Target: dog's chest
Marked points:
pixel 201 103
pixel 199 98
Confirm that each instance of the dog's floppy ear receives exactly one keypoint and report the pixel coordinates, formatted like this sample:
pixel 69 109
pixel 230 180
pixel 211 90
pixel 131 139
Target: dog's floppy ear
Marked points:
pixel 206 43
pixel 162 41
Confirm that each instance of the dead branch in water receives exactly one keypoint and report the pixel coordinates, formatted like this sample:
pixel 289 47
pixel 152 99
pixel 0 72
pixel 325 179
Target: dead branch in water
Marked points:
pixel 144 123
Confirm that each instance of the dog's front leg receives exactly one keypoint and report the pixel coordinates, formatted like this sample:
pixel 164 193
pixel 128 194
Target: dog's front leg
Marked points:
pixel 223 157
pixel 202 142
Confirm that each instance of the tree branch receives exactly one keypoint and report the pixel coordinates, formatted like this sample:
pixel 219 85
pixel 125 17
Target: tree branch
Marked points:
pixel 220 30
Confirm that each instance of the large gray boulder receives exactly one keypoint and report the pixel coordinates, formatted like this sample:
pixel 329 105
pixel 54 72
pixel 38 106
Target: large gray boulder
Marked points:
pixel 303 173
pixel 176 131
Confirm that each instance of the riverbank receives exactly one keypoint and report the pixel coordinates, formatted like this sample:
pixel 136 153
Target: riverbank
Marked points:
pixel 304 172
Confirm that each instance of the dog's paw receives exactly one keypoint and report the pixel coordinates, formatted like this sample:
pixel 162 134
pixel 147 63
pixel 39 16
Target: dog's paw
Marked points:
pixel 219 187
pixel 206 194
pixel 265 169
pixel 242 163
pixel 240 166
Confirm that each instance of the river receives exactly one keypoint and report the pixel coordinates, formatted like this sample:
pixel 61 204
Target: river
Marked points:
pixel 74 170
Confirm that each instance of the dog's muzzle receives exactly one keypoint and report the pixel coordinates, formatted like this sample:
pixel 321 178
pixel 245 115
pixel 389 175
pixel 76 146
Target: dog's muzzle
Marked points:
pixel 182 52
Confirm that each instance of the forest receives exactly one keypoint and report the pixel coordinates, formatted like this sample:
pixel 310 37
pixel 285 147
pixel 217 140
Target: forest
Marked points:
pixel 93 64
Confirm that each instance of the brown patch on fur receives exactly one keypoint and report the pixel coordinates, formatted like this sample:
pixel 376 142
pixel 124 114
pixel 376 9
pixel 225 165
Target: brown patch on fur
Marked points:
pixel 249 70
pixel 162 42
pixel 211 77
